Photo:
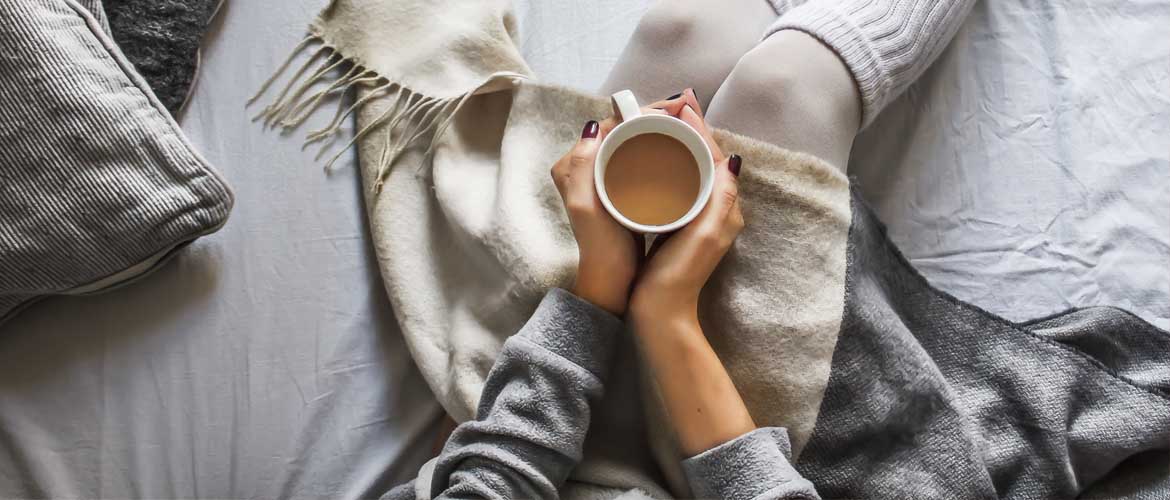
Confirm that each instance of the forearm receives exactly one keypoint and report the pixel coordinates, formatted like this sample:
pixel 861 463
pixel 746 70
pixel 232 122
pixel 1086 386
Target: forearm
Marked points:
pixel 702 401
pixel 596 283
pixel 726 456
pixel 535 407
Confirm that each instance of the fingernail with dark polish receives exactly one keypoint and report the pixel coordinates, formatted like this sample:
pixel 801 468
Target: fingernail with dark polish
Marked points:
pixel 673 97
pixel 590 130
pixel 695 93
pixel 733 164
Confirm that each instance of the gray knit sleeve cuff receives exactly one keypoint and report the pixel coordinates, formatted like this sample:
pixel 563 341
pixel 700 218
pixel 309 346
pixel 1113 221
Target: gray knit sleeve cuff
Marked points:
pixel 836 30
pixel 752 466
pixel 575 330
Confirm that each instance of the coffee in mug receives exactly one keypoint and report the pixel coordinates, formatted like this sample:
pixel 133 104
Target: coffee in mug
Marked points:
pixel 652 179
pixel 653 173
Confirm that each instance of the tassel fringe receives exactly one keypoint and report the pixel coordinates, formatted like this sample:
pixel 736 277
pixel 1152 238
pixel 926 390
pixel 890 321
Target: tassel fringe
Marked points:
pixel 407 121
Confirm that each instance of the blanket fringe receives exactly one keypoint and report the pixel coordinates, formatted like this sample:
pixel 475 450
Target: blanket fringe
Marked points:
pixel 408 120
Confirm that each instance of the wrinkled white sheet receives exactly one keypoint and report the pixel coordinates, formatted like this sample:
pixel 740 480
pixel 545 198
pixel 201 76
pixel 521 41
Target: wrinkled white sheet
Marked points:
pixel 1027 173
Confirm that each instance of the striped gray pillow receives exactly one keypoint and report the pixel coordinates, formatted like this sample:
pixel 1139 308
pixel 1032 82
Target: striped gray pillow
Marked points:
pixel 97 183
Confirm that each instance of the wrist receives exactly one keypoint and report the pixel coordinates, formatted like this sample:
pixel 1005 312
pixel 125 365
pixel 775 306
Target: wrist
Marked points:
pixel 604 287
pixel 652 307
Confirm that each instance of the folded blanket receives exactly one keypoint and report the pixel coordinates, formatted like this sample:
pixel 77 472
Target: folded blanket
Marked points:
pixel 889 388
pixel 97 182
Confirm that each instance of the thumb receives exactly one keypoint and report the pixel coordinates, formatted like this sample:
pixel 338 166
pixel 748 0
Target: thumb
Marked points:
pixel 724 197
pixel 692 118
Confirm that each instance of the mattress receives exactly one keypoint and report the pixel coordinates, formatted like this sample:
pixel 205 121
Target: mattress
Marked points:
pixel 1027 173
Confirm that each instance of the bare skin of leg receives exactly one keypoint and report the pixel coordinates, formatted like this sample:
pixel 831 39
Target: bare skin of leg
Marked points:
pixel 789 90
pixel 682 44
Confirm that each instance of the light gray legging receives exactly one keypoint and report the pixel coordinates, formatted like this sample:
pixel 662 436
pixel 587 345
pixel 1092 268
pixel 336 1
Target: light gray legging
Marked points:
pixel 826 69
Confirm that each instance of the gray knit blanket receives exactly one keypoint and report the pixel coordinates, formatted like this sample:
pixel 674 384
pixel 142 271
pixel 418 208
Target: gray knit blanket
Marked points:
pixel 931 397
pixel 98 185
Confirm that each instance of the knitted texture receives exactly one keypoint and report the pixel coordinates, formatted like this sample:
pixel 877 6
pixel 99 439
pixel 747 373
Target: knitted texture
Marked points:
pixel 886 44
pixel 97 182
pixel 931 397
pixel 752 466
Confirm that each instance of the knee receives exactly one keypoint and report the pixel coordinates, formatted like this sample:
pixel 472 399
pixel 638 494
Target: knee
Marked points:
pixel 794 72
pixel 668 24
pixel 760 78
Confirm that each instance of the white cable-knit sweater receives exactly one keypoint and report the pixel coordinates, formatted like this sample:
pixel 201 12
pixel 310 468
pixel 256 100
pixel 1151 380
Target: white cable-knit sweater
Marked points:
pixel 886 44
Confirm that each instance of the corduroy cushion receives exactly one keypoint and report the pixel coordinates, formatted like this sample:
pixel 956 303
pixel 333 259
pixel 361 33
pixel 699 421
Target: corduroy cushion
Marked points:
pixel 97 182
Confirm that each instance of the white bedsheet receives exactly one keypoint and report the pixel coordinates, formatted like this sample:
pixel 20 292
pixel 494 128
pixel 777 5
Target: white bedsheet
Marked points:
pixel 1027 173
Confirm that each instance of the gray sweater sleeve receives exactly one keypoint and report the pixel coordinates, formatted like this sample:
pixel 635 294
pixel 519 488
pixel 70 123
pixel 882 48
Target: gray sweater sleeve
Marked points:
pixel 535 409
pixel 753 466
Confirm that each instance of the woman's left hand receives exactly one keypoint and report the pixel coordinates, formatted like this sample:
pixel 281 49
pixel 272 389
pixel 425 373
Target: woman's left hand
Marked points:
pixel 608 253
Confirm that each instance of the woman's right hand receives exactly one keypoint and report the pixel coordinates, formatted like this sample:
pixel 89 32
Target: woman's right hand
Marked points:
pixel 679 264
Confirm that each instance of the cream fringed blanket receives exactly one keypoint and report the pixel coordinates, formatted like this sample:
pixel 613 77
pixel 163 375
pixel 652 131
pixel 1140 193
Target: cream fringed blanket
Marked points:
pixel 470 235
pixel 887 386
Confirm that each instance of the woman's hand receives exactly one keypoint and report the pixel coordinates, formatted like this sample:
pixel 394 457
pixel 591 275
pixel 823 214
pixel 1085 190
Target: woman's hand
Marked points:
pixel 608 253
pixel 680 263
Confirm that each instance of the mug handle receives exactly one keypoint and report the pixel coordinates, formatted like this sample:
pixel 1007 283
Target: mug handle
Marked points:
pixel 626 105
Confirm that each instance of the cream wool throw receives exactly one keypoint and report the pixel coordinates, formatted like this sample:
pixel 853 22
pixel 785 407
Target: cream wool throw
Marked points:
pixel 888 387
pixel 472 234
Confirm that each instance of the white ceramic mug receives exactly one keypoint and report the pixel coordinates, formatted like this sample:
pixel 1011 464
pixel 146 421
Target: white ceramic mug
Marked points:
pixel 633 124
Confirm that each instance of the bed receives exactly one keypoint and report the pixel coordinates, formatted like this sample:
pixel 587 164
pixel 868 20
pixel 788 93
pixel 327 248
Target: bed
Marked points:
pixel 1027 173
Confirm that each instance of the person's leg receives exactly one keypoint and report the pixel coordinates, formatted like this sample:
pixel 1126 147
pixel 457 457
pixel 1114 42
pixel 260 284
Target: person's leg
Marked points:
pixel 790 89
pixel 793 91
pixel 688 43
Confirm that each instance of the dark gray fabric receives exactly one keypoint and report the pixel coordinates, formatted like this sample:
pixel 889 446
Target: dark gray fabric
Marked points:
pixel 1122 342
pixel 162 38
pixel 930 397
pixel 96 180
pixel 539 400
